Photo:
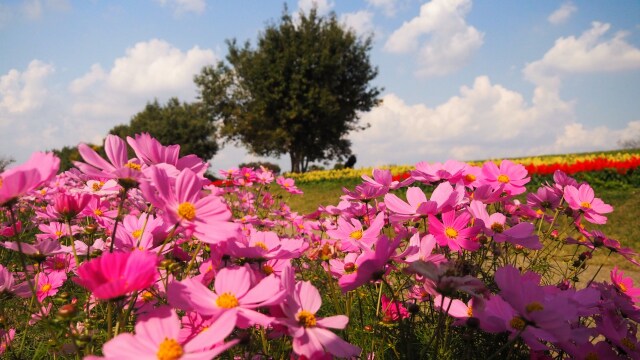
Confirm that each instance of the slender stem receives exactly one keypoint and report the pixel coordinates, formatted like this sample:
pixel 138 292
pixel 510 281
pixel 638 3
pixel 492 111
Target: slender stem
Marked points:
pixel 123 197
pixel 193 258
pixel 109 320
pixel 73 244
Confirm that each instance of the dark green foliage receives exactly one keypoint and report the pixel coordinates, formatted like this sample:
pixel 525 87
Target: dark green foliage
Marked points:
pixel 67 155
pixel 256 165
pixel 298 92
pixel 185 124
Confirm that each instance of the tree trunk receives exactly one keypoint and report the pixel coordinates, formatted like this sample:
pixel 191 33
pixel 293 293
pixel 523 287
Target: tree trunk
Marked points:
pixel 295 162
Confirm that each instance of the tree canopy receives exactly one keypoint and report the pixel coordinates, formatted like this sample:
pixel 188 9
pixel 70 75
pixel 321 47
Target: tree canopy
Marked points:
pixel 298 92
pixel 185 124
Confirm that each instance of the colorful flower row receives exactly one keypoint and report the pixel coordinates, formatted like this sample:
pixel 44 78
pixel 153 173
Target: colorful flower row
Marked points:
pixel 621 162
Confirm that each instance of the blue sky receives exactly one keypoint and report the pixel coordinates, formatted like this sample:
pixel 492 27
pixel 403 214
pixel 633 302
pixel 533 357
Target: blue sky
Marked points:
pixel 463 79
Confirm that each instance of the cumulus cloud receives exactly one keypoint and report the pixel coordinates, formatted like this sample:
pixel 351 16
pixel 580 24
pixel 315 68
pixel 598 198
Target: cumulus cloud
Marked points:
pixel 387 6
pixel 441 36
pixel 360 21
pixel 21 92
pixel 484 120
pixel 185 6
pixel 589 53
pixel 323 6
pixel 562 14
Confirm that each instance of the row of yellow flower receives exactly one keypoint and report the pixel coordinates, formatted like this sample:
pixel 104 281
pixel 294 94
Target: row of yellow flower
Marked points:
pixel 568 159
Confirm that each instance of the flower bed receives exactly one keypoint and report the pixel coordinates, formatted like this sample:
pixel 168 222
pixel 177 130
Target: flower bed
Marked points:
pixel 144 258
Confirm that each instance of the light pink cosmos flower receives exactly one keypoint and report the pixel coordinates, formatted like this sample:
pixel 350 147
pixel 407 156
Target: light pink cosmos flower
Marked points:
pixel 583 199
pixel 7 282
pixel 311 338
pixel 383 178
pixel 151 152
pixel 289 185
pixel 21 179
pixel 118 167
pixel 158 337
pixel 425 246
pixel 119 273
pixel 444 197
pixel 369 265
pixel 453 231
pixel 185 204
pixel 513 176
pixel 233 293
pixel 6 337
pixel 48 284
pixel 354 236
pixel 450 171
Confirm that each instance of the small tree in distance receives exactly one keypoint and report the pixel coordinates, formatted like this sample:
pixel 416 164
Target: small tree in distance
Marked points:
pixel 299 92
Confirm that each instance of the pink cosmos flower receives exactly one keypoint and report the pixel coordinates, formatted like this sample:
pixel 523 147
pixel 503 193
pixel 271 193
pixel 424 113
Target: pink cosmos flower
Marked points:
pixel 354 236
pixel 444 197
pixel 158 337
pixel 450 171
pixel 68 206
pixel 624 284
pixel 383 178
pixel 117 274
pixel 311 338
pixel 392 311
pixel 19 180
pixel 118 166
pixel 364 192
pixel 233 293
pixel 206 215
pixel 370 265
pixel 151 152
pixel 289 185
pixel 425 250
pixel 495 225
pixel 6 337
pixel 48 284
pixel 512 176
pixel 453 231
pixel 456 308
pixel 6 280
pixel 583 199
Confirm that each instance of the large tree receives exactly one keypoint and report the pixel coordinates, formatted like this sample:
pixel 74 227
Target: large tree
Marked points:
pixel 185 124
pixel 298 92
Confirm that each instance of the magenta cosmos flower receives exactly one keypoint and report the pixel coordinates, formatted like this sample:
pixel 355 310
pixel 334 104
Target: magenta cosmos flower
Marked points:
pixel 311 338
pixel 184 203
pixel 118 167
pixel 453 231
pixel 417 205
pixel 583 199
pixel 158 337
pixel 510 175
pixel 117 274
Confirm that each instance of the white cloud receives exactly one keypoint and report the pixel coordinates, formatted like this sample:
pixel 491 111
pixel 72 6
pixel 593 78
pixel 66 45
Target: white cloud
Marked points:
pixel 562 14
pixel 484 120
pixel 388 6
pixel 21 92
pixel 440 34
pixel 323 6
pixel 588 53
pixel 185 6
pixel 361 21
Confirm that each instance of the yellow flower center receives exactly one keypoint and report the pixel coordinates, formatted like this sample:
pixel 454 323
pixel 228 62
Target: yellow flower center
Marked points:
pixel 136 234
pixel 497 227
pixel 534 306
pixel 517 323
pixel 58 233
pixel 261 245
pixel 227 301
pixel 97 186
pixel 306 319
pixel 1 182
pixel 356 235
pixel 45 287
pixel 585 205
pixel 451 233
pixel 97 212
pixel 267 269
pixel 470 311
pixel 622 287
pixel 147 296
pixel 503 178
pixel 133 166
pixel 628 343
pixel 470 178
pixel 187 211
pixel 169 349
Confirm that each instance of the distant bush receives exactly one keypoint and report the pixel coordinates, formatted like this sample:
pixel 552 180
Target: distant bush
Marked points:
pixel 256 165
